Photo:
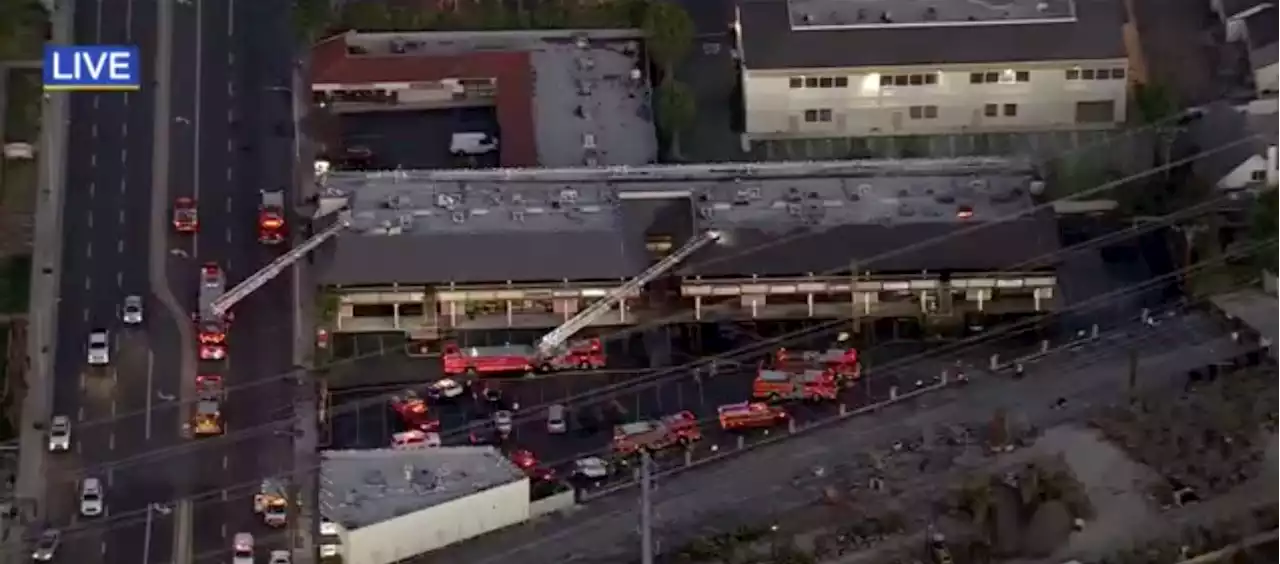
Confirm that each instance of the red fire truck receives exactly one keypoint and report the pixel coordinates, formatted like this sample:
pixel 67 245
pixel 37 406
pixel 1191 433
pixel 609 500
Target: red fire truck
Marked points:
pixel 212 328
pixel 414 413
pixel 588 355
pixel 812 385
pixel 271 225
pixel 185 216
pixel 751 415
pixel 656 434
pixel 840 362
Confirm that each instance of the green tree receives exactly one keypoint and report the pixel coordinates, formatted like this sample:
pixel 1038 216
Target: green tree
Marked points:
pixel 676 108
pixel 311 18
pixel 1155 102
pixel 366 16
pixel 669 33
pixel 1263 226
pixel 22 25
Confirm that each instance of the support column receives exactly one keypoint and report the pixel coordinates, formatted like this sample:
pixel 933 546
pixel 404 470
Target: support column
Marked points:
pixel 395 315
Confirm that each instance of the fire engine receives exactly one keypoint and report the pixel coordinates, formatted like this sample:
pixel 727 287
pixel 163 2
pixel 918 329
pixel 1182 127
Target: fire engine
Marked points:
pixel 272 502
pixel 750 415
pixel 208 413
pixel 185 216
pixel 413 412
pixel 271 225
pixel 775 385
pixel 523 459
pixel 212 326
pixel 657 434
pixel 413 440
pixel 841 361
pixel 520 358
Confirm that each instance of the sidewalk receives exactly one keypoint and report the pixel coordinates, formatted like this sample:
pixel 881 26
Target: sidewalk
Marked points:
pixel 1256 310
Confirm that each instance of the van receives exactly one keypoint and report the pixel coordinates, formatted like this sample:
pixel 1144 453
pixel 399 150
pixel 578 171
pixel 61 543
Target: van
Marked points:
pixel 472 143
pixel 555 419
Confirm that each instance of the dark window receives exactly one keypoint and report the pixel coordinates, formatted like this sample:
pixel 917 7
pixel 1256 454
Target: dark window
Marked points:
pixel 811 82
pixel 915 112
pixel 824 115
pixel 1010 110
pixel 991 77
pixel 1117 74
pixel 797 82
pixel 811 115
pixel 886 80
pixel 1087 74
pixel 1258 175
pixel 991 110
pixel 1073 74
pixel 1096 112
pixel 900 80
pixel 917 80
pixel 826 82
pixel 975 78
pixel 1023 76
pixel 1103 74
pixel 930 112
pixel 931 78
pixel 842 82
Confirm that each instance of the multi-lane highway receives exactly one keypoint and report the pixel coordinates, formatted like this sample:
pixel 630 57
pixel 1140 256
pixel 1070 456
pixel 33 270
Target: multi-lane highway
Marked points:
pixel 106 221
pixel 233 105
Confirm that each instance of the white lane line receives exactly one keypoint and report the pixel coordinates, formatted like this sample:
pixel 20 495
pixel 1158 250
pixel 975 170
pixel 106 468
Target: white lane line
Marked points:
pixel 80 414
pixel 231 89
pixel 124 129
pixel 225 462
pixel 104 543
pixel 228 234
pixel 228 173
pixel 92 188
pixel 86 315
pixel 113 408
pixel 120 246
pixel 111 441
pixel 124 155
pixel 93 160
pixel 88 250
pixel 228 204
pixel 115 376
pixel 126 98
pixel 122 216
pixel 88 284
pixel 119 279
pixel 94 130
pixel 95 96
pixel 231 60
pixel 231 18
pixel 151 364
pixel 111 477
pixel 124 186
pixel 224 495
pixel 230 146
pixel 224 530
pixel 231 116
pixel 90 220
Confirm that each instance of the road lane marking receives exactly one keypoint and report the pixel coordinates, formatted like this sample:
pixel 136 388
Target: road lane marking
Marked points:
pixel 231 88
pixel 224 530
pixel 104 547
pixel 111 476
pixel 122 211
pixel 225 462
pixel 113 406
pixel 231 116
pixel 228 173
pixel 120 246
pixel 231 60
pixel 88 252
pixel 124 157
pixel 119 279
pixel 93 160
pixel 114 378
pixel 90 220
pixel 77 452
pixel 88 284
pixel 124 129
pixel 124 184
pixel 86 314
pixel 95 96
pixel 230 146
pixel 92 188
pixel 231 17
pixel 80 414
pixel 228 208
pixel 224 495
pixel 151 365
pixel 126 98
pixel 111 441
pixel 93 132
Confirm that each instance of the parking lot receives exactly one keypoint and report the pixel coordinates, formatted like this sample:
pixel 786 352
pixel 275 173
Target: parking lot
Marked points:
pixel 418 139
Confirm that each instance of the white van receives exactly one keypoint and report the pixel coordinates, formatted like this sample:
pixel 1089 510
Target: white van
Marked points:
pixel 555 420
pixel 472 143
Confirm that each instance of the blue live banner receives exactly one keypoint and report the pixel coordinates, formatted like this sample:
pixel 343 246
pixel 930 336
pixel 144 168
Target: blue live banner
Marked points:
pixel 92 67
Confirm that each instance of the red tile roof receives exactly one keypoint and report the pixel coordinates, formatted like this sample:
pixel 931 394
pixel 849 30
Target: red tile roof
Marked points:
pixel 331 63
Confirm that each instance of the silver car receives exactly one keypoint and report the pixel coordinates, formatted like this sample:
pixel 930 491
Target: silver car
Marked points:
pixel 99 347
pixel 131 314
pixel 47 545
pixel 60 434
pixel 91 503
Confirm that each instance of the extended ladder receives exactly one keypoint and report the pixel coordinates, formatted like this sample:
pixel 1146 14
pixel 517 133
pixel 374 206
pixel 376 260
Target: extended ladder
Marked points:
pixel 261 277
pixel 552 342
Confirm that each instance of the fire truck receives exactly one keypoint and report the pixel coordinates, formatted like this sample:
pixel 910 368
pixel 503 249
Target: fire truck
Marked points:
pixel 839 360
pixel 751 415
pixel 500 359
pixel 812 385
pixel 413 412
pixel 657 434
pixel 272 502
pixel 185 216
pixel 208 412
pixel 271 224
pixel 212 326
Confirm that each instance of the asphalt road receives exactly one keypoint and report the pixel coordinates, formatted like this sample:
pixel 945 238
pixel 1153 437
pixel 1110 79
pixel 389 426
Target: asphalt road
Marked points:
pixel 105 258
pixel 763 482
pixel 234 57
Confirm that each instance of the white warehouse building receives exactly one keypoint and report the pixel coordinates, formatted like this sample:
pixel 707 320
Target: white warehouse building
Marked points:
pixel 389 505
pixel 865 68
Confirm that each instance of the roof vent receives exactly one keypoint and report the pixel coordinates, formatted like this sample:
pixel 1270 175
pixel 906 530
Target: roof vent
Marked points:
pixel 517 216
pixel 930 14
pixel 795 210
pixel 406 221
pixel 458 217
pixel 447 201
pixel 744 196
pixel 517 198
pixel 793 195
pixel 568 195
pixel 706 212
pixel 1042 7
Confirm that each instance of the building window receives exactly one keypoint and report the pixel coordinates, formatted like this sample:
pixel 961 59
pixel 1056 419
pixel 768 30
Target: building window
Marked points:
pixel 797 82
pixel 1117 74
pixel 909 79
pixel 975 78
pixel 826 82
pixel 1103 111
pixel 922 112
pixel 1073 74
pixel 842 82
pixel 991 110
pixel 1022 76
pixel 901 80
pixel 820 82
pixel 811 82
pixel 818 116
pixel 1096 74
pixel 1088 74
pixel 886 80
pixel 991 77
pixel 1258 175
pixel 1010 110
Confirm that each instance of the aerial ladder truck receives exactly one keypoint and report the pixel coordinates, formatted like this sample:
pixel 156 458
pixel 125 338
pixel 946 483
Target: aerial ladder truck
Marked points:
pixel 249 285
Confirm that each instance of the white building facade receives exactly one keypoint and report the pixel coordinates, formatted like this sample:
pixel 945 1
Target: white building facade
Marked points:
pixel 825 68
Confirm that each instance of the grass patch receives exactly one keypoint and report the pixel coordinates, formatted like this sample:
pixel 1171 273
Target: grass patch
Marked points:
pixel 22 107
pixel 15 284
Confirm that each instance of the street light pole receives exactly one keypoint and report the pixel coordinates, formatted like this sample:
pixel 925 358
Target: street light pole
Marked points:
pixel 646 509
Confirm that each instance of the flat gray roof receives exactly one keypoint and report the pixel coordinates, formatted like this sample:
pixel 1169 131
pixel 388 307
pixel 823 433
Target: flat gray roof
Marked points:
pixel 591 224
pixel 818 34
pixel 363 487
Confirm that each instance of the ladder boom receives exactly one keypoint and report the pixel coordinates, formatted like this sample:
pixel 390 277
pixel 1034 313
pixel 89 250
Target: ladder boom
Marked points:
pixel 270 271
pixel 552 341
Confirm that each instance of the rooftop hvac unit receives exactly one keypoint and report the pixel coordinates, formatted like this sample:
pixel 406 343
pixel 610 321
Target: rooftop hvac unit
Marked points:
pixel 793 195
pixel 517 216
pixel 458 217
pixel 398 201
pixel 795 210
pixel 406 222
pixel 568 195
pixel 706 212
pixel 582 41
pixel 589 141
pixel 447 201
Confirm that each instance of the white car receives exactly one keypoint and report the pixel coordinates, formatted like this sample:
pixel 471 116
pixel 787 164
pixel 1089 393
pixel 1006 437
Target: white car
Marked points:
pixel 91 503
pixel 502 420
pixel 448 388
pixel 47 545
pixel 279 557
pixel 591 467
pixel 242 549
pixel 99 347
pixel 60 434
pixel 213 352
pixel 131 313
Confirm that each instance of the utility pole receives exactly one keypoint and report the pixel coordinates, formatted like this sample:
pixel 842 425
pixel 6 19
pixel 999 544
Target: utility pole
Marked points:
pixel 646 509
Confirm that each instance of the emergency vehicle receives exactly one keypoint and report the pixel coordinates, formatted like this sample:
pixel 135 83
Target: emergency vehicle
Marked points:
pixel 750 415
pixel 413 412
pixel 272 502
pixel 185 216
pixel 657 434
pixel 775 385
pixel 271 226
pixel 840 360
pixel 500 359
pixel 414 440
pixel 208 413
pixel 212 327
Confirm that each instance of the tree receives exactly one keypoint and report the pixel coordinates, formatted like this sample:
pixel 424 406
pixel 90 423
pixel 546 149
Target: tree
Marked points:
pixel 669 33
pixel 366 16
pixel 1263 227
pixel 22 25
pixel 676 109
pixel 311 18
